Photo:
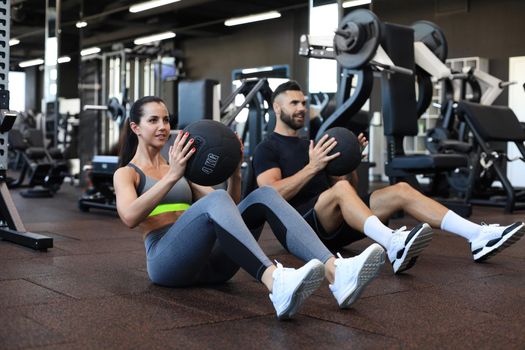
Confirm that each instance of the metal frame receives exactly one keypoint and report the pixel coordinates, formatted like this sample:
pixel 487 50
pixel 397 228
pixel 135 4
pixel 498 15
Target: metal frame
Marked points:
pixel 11 227
pixel 510 202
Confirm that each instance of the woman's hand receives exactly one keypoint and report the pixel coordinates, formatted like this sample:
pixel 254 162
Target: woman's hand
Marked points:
pixel 179 154
pixel 234 181
pixel 242 152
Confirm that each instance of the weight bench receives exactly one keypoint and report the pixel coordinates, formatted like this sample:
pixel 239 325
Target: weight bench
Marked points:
pixel 102 194
pixel 495 124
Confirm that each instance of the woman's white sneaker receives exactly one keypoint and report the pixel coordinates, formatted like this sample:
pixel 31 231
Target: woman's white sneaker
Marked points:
pixel 352 275
pixel 291 287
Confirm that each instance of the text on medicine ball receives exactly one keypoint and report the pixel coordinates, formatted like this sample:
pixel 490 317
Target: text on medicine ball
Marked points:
pixel 210 163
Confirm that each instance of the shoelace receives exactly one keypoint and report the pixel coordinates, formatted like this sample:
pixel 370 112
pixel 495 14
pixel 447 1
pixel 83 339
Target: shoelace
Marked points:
pixel 486 229
pixel 339 256
pixel 489 225
pixel 397 238
pixel 279 265
pixel 402 228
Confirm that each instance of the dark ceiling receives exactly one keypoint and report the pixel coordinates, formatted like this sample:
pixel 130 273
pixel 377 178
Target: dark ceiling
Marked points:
pixel 110 22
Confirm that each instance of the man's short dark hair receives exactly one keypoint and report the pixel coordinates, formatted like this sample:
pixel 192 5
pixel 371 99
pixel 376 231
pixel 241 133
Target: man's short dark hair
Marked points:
pixel 290 85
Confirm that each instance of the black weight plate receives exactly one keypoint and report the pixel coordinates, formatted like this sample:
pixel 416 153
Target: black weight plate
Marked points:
pixel 363 33
pixel 459 180
pixel 433 37
pixel 424 91
pixel 434 138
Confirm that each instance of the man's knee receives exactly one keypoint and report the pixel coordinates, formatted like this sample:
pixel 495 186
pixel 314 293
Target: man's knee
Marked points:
pixel 343 188
pixel 403 189
pixel 336 196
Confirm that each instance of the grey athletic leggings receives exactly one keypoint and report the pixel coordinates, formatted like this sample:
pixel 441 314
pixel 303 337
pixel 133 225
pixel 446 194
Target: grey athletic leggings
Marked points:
pixel 214 237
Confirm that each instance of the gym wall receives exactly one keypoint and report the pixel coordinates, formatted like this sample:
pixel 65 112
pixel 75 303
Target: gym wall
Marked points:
pixel 484 28
pixel 259 44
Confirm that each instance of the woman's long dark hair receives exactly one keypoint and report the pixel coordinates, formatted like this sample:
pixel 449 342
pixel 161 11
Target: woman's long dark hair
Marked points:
pixel 128 139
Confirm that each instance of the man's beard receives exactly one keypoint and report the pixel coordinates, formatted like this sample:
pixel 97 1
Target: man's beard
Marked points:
pixel 289 120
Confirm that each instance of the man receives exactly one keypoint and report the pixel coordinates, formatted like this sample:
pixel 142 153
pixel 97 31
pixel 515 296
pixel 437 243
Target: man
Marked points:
pixel 295 167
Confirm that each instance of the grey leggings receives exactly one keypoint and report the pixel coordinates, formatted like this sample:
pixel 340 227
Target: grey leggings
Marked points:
pixel 214 238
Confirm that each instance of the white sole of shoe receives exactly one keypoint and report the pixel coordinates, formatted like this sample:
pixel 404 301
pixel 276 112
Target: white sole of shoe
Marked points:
pixel 369 270
pixel 504 242
pixel 419 241
pixel 308 285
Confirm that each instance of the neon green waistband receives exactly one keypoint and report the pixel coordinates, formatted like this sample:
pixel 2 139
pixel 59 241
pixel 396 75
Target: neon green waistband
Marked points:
pixel 165 208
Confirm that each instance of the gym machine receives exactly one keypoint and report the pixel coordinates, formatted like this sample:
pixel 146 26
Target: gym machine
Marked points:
pixel 356 47
pixel 100 194
pixel 490 125
pixel 113 80
pixel 430 53
pixel 470 125
pixel 366 45
pixel 256 92
pixel 11 227
pixel 45 174
pixel 261 122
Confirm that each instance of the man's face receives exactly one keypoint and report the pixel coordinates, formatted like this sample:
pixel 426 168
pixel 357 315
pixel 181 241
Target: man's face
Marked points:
pixel 292 105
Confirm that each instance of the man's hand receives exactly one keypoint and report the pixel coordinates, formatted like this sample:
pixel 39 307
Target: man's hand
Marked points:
pixel 318 154
pixel 363 142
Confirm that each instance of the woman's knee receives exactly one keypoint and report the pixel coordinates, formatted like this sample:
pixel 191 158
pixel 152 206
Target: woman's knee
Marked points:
pixel 267 191
pixel 217 202
pixel 219 195
pixel 264 194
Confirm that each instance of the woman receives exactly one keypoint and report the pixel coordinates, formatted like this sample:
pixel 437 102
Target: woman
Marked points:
pixel 197 235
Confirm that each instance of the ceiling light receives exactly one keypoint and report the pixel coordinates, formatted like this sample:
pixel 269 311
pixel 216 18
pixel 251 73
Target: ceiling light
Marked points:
pixel 14 42
pixel 353 3
pixel 143 6
pixel 64 59
pixel 153 38
pixel 90 51
pixel 35 62
pixel 81 24
pixel 252 18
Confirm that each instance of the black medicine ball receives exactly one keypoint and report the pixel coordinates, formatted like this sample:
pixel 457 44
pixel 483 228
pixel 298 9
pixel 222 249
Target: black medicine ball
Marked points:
pixel 217 155
pixel 350 149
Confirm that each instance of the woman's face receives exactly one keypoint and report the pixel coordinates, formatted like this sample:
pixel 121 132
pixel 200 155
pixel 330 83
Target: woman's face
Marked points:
pixel 154 126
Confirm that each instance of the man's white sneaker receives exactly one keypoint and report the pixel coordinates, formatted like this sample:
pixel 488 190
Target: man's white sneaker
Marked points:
pixel 352 275
pixel 493 238
pixel 406 246
pixel 292 286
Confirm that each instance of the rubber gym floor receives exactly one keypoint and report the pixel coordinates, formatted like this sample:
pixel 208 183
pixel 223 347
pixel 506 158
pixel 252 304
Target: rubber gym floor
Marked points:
pixel 91 291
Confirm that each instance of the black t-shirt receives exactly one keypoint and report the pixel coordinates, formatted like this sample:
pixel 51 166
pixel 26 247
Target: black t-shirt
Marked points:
pixel 290 154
